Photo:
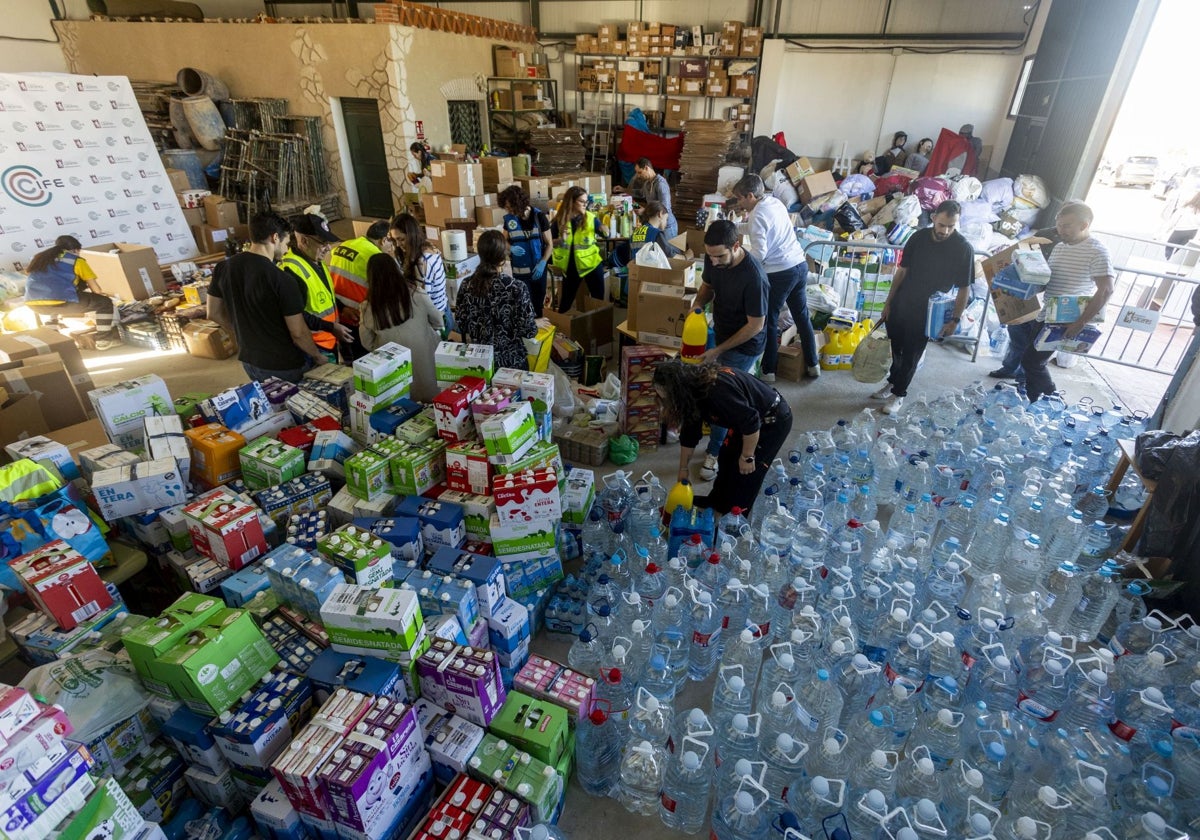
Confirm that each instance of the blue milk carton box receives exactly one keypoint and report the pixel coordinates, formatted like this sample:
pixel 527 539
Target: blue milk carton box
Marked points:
pixel 508 626
pixel 274 816
pixel 244 584
pixel 190 734
pixel 486 573
pixel 441 522
pixel 365 674
pixel 403 533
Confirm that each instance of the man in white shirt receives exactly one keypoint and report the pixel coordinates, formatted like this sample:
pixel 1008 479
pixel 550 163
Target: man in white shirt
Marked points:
pixel 1079 265
pixel 773 241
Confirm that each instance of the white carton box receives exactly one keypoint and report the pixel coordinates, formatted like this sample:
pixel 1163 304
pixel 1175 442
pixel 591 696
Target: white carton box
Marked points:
pixel 122 408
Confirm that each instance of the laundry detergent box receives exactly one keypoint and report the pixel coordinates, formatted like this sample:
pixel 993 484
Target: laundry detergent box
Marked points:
pixel 401 533
pixel 383 370
pixel 123 407
pixel 215 453
pixel 372 622
pixel 453 361
pixel 333 669
pixel 148 641
pixel 527 496
pixel 216 662
pixel 62 583
pixel 477 511
pixel 452 409
pixel 225 528
pixel 537 726
pixel 468 469
pixel 266 462
pixel 510 432
pixel 441 522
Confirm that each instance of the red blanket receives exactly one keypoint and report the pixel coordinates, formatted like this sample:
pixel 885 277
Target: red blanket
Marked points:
pixel 663 151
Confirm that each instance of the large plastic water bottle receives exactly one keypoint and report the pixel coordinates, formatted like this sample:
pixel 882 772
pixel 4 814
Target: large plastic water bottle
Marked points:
pixel 541 831
pixel 693 723
pixel 683 803
pixel 990 545
pixel 596 536
pixel 908 661
pixel 784 757
pixel 584 653
pixel 904 527
pixel 857 681
pixel 941 732
pixel 1094 506
pixel 737 738
pixel 777 531
pixel 657 678
pixel 1063 589
pixel 866 814
pixel 1022 571
pixel 734 605
pixel 779 668
pixel 650 720
pixel 966 812
pixel 711 575
pixel 731 695
pixel 818 705
pixel 672 631
pixel 876 771
pixel 1068 539
pixel 1042 689
pixel 994 679
pixel 990 753
pixel 649 585
pixel 833 758
pixel 817 797
pixel 742 815
pixel 1097 546
pixel 706 622
pixel 641 778
pixel 649 499
pixel 616 689
pixel 597 751
pixel 1142 717
pixel 616 498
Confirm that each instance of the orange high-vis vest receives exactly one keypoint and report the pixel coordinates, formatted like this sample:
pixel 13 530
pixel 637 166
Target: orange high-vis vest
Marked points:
pixel 348 270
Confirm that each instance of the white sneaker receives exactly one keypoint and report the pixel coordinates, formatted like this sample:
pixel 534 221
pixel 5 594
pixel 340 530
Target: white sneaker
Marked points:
pixel 766 377
pixel 892 405
pixel 883 393
pixel 708 472
pixel 814 371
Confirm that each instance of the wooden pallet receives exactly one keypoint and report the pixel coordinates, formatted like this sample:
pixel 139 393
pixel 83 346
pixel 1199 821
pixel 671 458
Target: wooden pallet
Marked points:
pixel 456 23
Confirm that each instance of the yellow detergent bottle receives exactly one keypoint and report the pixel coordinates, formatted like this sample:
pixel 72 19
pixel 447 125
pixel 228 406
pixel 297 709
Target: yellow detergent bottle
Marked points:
pixel 831 352
pixel 695 337
pixel 681 496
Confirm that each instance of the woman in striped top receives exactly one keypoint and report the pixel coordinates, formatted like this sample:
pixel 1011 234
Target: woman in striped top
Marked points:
pixel 421 262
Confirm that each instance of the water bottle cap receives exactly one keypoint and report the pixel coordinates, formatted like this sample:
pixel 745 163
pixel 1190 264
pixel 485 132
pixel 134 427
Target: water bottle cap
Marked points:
pixel 658 662
pixel 785 742
pixel 879 758
pixel 899 615
pixel 539 832
pixel 952 567
pixel 1097 677
pixel 1047 795
pixel 1094 785
pixel 651 703
pixel 639 626
pixel 875 800
pixel 907 833
pixel 974 778
pixel 737 685
pixel 694 539
pixel 1158 786
pixel 1153 694
pixel 1002 662
pixel 873 591
pixel 747 636
pixel 915 640
pixel 1152 623
pixel 819 786
pixel 945 717
pixel 1026 828
pixel 925 766
pixel 900 691
pixel 704 597
pixel 822 675
pixel 831 745
pixel 1055 667
pixel 671 600
pixel 839 647
pixel 860 661
pixel 926 810
pixel 1153 823
pixel 1156 658
pixel 876 718
pixel 744 802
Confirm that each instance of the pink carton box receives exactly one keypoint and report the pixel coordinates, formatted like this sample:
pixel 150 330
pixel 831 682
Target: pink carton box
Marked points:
pixel 494 400
pixel 527 496
pixel 452 409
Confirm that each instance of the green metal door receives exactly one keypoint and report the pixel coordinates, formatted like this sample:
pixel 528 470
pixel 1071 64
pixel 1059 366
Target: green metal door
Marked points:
pixel 367 157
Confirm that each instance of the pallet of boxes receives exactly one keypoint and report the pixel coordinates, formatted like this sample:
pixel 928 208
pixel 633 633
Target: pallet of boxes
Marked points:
pixel 357 580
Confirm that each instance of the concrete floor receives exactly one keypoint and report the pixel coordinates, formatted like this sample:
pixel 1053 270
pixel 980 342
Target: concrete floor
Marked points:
pixel 816 403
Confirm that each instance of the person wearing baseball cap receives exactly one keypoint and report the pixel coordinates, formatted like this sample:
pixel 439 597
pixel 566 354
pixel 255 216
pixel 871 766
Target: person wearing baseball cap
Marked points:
pixel 311 243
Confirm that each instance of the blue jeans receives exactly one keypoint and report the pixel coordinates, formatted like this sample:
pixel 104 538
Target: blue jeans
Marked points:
pixel 1018 341
pixel 259 374
pixel 738 361
pixel 788 287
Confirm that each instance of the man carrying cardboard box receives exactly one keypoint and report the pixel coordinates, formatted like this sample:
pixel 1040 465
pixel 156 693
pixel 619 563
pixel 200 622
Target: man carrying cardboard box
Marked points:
pixel 264 306
pixel 736 284
pixel 62 283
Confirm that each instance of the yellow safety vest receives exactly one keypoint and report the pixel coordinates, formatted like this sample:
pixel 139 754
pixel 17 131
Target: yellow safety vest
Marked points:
pixel 348 270
pixel 320 300
pixel 587 251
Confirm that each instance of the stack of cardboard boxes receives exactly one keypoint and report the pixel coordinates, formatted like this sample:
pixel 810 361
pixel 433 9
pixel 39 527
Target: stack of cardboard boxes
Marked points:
pixel 658 297
pixel 44 382
pixel 661 39
pixel 212 218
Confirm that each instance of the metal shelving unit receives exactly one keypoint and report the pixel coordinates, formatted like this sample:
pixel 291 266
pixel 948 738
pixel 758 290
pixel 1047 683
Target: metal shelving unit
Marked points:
pixel 509 137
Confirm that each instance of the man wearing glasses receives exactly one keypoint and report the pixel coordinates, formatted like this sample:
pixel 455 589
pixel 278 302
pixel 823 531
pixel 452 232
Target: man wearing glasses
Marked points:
pixel 312 241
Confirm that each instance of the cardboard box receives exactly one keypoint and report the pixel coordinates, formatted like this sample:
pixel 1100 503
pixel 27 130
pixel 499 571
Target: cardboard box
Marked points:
pixel 122 407
pixel 208 340
pixel 1011 309
pixel 496 171
pixel 817 184
pixel 741 86
pixel 47 379
pixel 537 188
pixel 215 453
pixel 589 323
pixel 677 112
pixel 658 316
pixel 212 239
pixel 509 63
pixel 194 216
pixel 441 208
pixel 798 170
pixel 62 583
pixel 692 87
pixel 220 212
pixel 717 87
pixel 681 273
pixel 492 217
pixel 133 489
pixel 455 178
pixel 751 42
pixel 125 270
pixel 179 180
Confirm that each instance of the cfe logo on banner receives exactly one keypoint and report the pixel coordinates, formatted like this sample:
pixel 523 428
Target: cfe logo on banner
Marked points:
pixel 76 158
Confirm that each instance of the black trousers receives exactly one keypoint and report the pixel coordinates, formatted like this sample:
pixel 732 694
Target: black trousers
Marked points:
pixel 730 488
pixel 572 280
pixel 352 349
pixel 101 305
pixel 906 331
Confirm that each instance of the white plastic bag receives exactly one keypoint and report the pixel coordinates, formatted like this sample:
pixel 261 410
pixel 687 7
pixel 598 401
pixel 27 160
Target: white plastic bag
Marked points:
pixel 94 688
pixel 966 188
pixel 610 388
pixel 564 393
pixel 822 297
pixel 652 256
pixel 907 211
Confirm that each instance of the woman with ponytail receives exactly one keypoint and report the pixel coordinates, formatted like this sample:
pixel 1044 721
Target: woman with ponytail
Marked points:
pixel 62 283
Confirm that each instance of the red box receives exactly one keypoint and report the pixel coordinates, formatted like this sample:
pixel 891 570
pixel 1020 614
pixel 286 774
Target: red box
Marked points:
pixel 225 529
pixel 527 496
pixel 302 437
pixel 63 584
pixel 452 409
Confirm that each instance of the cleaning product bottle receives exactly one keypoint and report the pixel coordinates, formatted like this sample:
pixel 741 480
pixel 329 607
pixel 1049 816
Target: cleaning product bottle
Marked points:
pixel 681 495
pixel 695 337
pixel 831 353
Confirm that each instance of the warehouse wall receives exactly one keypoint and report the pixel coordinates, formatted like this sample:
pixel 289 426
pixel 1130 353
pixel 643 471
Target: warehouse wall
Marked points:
pixel 311 65
pixel 819 99
pixel 38 51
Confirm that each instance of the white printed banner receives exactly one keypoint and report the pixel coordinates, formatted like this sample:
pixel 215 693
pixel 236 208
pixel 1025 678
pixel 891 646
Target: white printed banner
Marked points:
pixel 1138 318
pixel 76 158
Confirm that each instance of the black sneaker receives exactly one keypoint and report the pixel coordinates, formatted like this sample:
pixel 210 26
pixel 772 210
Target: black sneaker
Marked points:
pixel 1002 373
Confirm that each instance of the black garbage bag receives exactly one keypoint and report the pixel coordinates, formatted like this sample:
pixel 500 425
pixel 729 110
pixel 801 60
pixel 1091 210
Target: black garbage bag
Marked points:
pixel 763 150
pixel 848 217
pixel 1152 450
pixel 1175 505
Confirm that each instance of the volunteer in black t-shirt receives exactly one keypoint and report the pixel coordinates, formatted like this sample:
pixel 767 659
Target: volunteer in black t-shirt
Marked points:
pixel 263 306
pixel 756 416
pixel 936 259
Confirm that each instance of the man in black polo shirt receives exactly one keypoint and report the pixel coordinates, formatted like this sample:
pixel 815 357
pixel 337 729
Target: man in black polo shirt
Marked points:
pixel 263 306
pixel 736 284
pixel 936 259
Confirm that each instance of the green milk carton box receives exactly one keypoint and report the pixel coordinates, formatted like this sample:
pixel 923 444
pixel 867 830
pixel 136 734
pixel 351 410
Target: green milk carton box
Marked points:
pixel 267 462
pixel 452 361
pixel 537 726
pixel 477 512
pixel 367 475
pixel 150 640
pixel 511 432
pixel 391 449
pixel 419 467
pixel 372 622
pixel 383 370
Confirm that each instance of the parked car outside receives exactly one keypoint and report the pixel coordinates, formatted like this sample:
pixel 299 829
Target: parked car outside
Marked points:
pixel 1136 171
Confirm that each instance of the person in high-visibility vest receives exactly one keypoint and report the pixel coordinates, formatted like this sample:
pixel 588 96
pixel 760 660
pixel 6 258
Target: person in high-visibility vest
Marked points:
pixel 311 241
pixel 576 232
pixel 348 268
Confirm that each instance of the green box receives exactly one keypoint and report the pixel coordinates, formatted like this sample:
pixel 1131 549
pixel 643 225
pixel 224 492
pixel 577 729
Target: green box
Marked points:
pixel 477 512
pixel 367 475
pixel 363 557
pixel 383 622
pixel 542 455
pixel 494 760
pixel 107 813
pixel 391 449
pixel 418 428
pixel 452 361
pixel 384 369
pixel 537 537
pixel 217 662
pixel 188 404
pixel 267 462
pixel 147 642
pixel 420 467
pixel 537 726
pixel 508 432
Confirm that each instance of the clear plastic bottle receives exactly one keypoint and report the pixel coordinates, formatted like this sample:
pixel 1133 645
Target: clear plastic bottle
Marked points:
pixel 683 804
pixel 616 497
pixel 743 815
pixel 818 798
pixel 597 752
pixel 584 653
pixel 672 630
pixel 784 757
pixel 737 738
pixel 731 695
pixel 990 545
pixel 706 622
pixel 693 723
pixel 641 778
pixel 818 706
pixel 650 720
pixel 1042 688
pixel 1022 570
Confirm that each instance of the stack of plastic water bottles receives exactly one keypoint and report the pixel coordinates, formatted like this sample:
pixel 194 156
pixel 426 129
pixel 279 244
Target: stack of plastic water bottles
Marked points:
pixel 978 668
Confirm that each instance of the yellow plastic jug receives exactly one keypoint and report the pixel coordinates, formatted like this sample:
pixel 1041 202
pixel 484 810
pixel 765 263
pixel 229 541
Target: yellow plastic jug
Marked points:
pixel 695 337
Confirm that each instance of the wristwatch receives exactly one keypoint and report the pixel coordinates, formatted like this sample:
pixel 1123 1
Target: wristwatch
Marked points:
pixel 749 459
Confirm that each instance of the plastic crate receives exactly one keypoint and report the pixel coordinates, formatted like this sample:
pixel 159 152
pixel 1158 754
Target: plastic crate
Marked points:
pixel 144 334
